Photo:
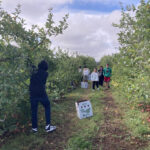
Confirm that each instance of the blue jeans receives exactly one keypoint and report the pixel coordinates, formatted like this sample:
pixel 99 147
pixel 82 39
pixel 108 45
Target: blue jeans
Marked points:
pixel 34 109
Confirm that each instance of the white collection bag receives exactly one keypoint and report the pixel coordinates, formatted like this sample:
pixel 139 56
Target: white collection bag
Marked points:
pixel 84 85
pixel 84 109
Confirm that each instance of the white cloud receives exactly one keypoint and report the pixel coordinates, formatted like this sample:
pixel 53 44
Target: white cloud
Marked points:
pixel 34 8
pixel 112 2
pixel 90 34
pixel 12 3
pixel 34 11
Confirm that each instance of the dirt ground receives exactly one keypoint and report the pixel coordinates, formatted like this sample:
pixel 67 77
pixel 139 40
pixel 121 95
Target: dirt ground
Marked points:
pixel 113 134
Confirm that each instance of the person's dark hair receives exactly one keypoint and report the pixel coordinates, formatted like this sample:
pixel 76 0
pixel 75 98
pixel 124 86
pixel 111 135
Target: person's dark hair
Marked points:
pixel 79 66
pixel 43 65
pixel 84 66
pixel 95 68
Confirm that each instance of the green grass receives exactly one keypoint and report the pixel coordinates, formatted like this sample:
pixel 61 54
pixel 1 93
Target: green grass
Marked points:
pixel 24 142
pixel 30 141
pixel 88 128
pixel 134 119
pixel 82 131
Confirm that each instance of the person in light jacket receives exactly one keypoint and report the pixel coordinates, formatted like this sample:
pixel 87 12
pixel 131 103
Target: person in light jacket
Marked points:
pixel 95 79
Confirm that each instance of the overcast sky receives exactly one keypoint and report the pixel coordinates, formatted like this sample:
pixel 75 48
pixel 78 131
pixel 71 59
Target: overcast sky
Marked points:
pixel 90 30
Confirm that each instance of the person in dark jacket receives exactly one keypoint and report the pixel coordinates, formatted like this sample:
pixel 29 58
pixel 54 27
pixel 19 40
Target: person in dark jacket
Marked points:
pixel 101 76
pixel 38 94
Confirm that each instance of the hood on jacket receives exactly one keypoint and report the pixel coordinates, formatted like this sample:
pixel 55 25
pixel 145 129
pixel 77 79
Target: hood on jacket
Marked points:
pixel 43 65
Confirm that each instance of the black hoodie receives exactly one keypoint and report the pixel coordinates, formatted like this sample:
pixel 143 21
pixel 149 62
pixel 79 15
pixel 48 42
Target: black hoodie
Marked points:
pixel 38 81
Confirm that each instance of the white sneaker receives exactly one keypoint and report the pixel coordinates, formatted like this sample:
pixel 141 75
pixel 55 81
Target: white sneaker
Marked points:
pixel 34 130
pixel 50 128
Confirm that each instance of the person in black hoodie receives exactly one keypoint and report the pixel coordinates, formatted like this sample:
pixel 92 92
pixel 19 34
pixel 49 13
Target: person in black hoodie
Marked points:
pixel 38 94
pixel 101 76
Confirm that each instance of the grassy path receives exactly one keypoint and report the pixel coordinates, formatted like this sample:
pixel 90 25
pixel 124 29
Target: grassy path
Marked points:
pixel 104 131
pixel 113 134
pixel 71 134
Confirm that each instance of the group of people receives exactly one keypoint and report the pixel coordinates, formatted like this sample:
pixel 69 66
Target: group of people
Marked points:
pixel 38 92
pixel 98 76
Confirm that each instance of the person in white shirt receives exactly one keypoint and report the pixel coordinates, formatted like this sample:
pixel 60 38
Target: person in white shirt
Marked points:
pixel 86 73
pixel 80 69
pixel 95 79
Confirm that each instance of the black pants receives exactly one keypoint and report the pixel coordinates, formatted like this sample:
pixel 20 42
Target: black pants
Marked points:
pixel 95 83
pixel 34 108
pixel 101 80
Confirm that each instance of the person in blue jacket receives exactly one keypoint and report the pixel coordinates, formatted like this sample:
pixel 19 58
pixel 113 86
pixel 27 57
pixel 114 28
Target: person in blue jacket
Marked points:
pixel 38 94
